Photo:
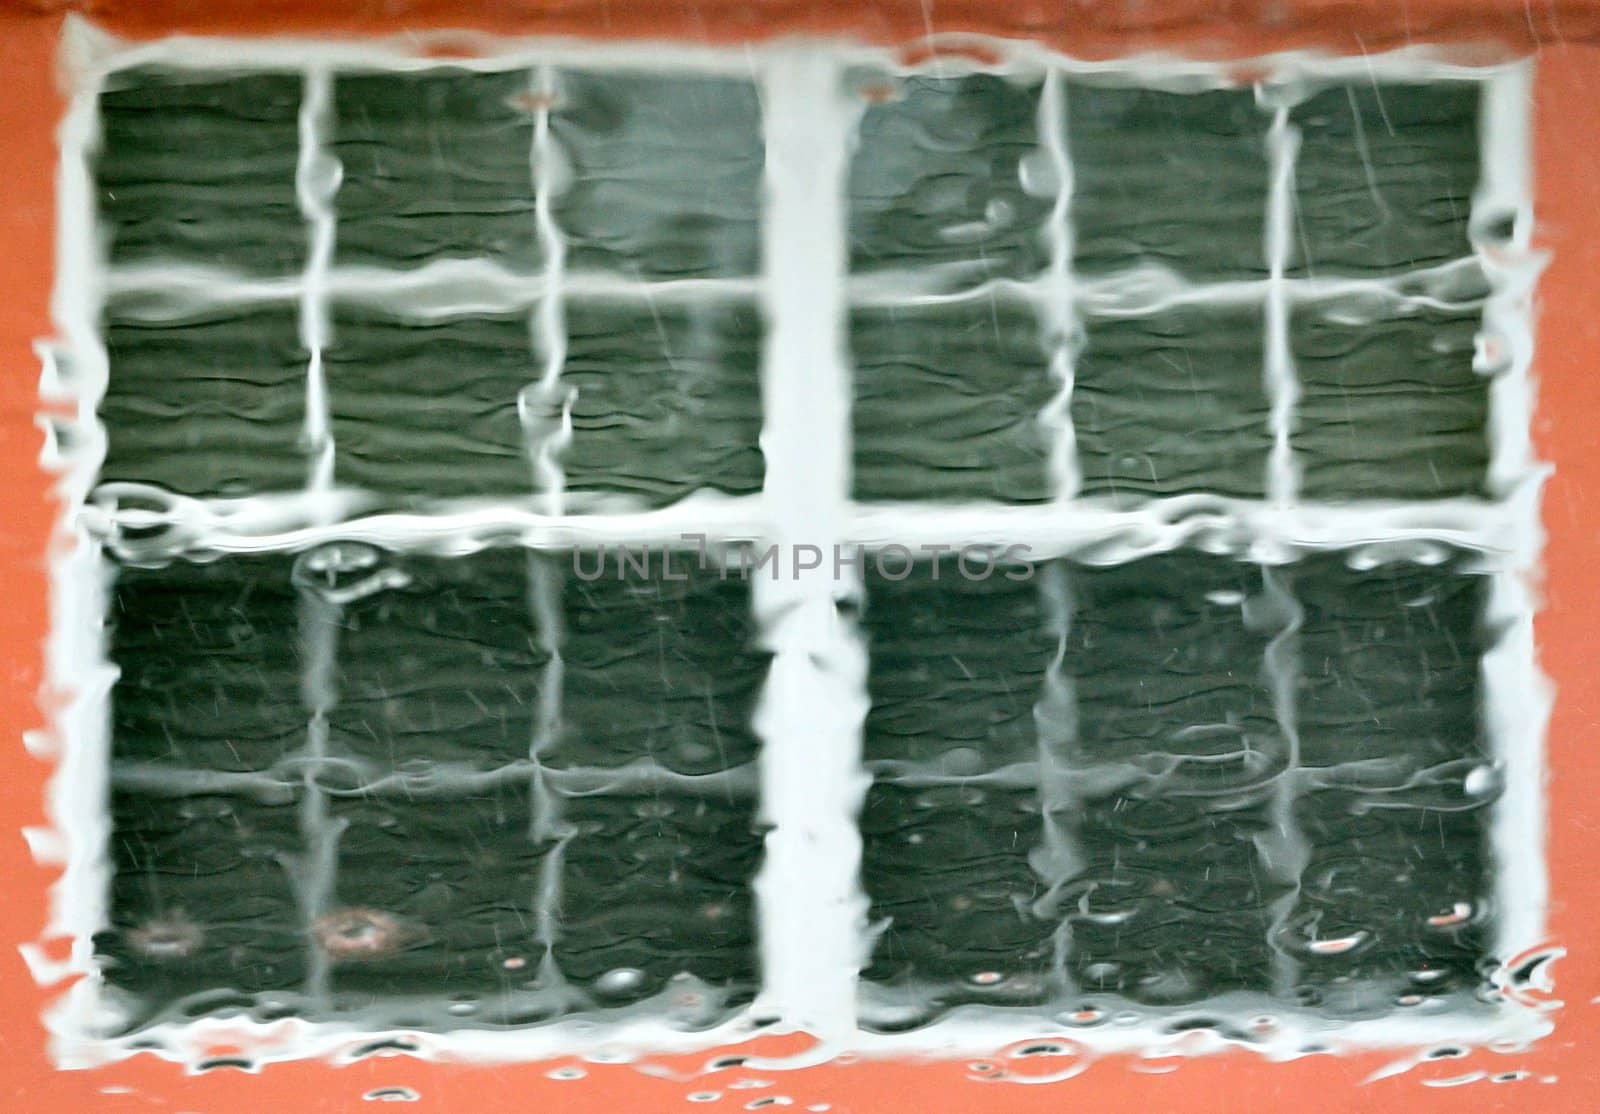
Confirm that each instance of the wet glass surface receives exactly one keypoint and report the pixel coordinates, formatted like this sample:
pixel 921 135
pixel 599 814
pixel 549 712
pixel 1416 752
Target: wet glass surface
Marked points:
pixel 452 781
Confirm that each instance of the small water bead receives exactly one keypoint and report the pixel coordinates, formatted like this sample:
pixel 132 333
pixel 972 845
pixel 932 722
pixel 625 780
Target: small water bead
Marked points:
pixel 1338 945
pixel 570 1072
pixel 173 936
pixel 359 933
pixel 1037 174
pixel 1041 1048
pixel 1459 914
pixel 392 1094
pixel 703 1096
pixel 622 980
pixel 961 761
pixel 344 572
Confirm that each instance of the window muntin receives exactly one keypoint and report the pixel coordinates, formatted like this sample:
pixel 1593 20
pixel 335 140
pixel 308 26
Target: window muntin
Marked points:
pixel 1058 302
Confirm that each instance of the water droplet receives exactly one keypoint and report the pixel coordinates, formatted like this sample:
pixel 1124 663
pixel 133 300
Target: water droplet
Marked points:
pixel 1037 174
pixel 620 981
pixel 392 1094
pixel 1337 945
pixel 343 572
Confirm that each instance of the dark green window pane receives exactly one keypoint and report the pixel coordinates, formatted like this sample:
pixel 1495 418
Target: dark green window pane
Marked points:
pixel 1392 903
pixel 655 669
pixel 199 167
pixel 1389 713
pixel 1173 904
pixel 947 871
pixel 1166 657
pixel 446 666
pixel 451 887
pixel 948 173
pixel 662 175
pixel 956 665
pixel 209 405
pixel 427 408
pixel 947 402
pixel 201 901
pixel 656 886
pixel 667 399
pixel 1177 180
pixel 209 659
pixel 1385 176
pixel 1173 403
pixel 957 672
pixel 1390 406
pixel 1390 665
pixel 435 165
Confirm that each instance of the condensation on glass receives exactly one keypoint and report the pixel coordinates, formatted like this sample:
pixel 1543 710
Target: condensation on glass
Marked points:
pixel 1241 734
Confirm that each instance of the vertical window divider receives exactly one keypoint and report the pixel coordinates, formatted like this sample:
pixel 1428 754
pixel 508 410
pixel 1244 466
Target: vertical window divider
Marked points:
pixel 811 909
pixel 316 183
pixel 1282 850
pixel 1060 290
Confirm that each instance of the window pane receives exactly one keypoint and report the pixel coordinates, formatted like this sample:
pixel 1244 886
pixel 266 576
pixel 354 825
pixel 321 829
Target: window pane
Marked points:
pixel 956 666
pixel 426 408
pixel 951 824
pixel 211 404
pixel 436 897
pixel 947 869
pixel 662 175
pixel 1385 176
pixel 446 665
pixel 1390 405
pixel 657 669
pixel 199 167
pixel 210 658
pixel 1173 403
pixel 1176 180
pixel 947 402
pixel 655 896
pixel 667 400
pixel 201 901
pixel 947 175
pixel 435 165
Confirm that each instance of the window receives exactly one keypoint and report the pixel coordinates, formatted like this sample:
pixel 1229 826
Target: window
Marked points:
pixel 1077 515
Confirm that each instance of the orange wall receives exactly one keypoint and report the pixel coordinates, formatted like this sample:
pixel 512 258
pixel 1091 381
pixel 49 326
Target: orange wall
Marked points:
pixel 1567 364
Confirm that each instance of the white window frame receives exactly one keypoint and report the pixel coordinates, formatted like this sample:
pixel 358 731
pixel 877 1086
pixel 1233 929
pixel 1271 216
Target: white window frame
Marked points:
pixel 811 910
